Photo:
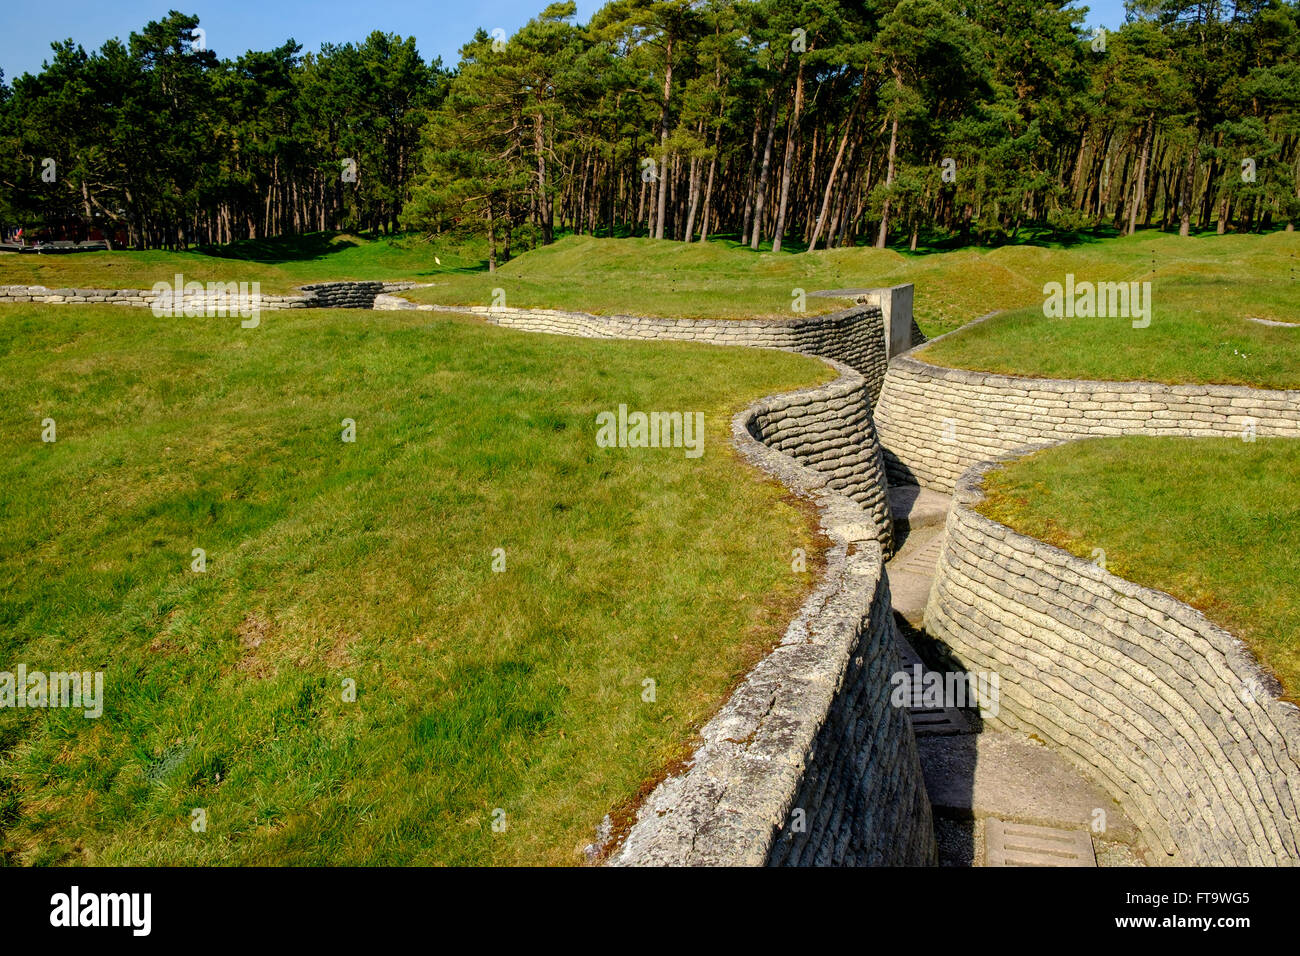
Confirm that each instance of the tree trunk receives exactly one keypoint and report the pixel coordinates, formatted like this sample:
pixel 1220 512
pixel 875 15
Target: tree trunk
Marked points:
pixel 663 139
pixel 1139 191
pixel 747 218
pixel 760 191
pixel 1185 192
pixel 760 196
pixel 694 202
pixel 835 167
pixel 792 133
pixel 708 189
pixel 889 179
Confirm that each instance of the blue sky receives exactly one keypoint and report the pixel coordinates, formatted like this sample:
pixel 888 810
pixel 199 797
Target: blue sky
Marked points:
pixel 233 26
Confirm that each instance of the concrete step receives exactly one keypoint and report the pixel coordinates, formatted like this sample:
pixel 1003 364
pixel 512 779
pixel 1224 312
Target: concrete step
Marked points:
pixel 930 720
pixel 999 799
pixel 914 507
pixel 922 557
pixel 963 843
pixel 911 571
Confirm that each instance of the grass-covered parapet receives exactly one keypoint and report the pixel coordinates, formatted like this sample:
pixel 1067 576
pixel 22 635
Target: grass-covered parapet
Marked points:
pixel 1214 522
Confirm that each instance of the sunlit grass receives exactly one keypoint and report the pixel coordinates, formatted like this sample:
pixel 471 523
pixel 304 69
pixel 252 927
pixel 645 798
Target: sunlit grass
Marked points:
pixel 369 561
pixel 1200 329
pixel 279 265
pixel 1213 521
pixel 1252 276
pixel 1218 281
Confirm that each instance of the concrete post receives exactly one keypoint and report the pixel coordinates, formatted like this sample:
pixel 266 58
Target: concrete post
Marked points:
pixel 896 306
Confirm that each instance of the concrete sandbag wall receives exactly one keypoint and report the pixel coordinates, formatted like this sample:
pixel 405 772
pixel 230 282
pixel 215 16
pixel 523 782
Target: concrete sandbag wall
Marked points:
pixel 1167 711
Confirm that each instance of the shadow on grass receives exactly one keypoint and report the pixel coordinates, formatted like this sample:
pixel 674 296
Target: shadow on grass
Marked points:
pixel 312 245
pixel 934 242
pixel 1038 237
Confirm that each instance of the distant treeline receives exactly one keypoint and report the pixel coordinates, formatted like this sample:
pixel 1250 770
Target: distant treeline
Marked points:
pixel 812 123
pixel 159 138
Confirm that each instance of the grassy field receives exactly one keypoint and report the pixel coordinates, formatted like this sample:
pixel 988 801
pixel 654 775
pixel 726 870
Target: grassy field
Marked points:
pixel 1199 329
pixel 280 265
pixel 1214 522
pixel 371 561
pixel 1236 275
pixel 716 280
pixel 1204 291
pixel 1204 287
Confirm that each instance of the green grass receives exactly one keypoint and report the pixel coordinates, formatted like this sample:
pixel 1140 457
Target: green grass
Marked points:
pixel 1213 521
pixel 280 265
pixel 369 561
pixel 1204 290
pixel 716 280
pixel 1248 275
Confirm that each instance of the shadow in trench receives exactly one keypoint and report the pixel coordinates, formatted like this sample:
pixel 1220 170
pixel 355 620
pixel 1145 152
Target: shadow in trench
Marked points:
pixel 948 763
pixel 1002 797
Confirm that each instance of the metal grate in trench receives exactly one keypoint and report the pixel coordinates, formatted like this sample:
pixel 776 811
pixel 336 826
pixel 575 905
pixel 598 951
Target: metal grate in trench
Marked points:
pixel 930 721
pixel 937 722
pixel 1021 844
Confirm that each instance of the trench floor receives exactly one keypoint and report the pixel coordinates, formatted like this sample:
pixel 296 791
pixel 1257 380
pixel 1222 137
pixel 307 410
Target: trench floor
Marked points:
pixel 1000 798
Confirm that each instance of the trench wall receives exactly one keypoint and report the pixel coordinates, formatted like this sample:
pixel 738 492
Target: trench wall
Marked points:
pixel 325 295
pixel 934 423
pixel 1167 711
pixel 808 762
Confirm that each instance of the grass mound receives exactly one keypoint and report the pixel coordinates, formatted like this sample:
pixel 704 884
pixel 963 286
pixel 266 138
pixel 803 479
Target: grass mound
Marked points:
pixel 1222 279
pixel 1204 293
